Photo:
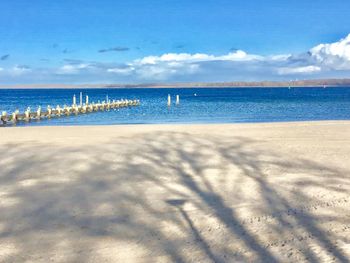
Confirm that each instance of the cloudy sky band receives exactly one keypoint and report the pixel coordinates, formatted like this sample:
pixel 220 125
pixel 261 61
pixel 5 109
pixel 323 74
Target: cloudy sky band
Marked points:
pixel 322 60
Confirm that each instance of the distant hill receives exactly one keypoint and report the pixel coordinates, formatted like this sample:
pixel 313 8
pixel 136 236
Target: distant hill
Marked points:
pixel 234 84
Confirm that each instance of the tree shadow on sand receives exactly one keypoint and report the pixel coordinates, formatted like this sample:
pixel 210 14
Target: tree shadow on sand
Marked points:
pixel 170 196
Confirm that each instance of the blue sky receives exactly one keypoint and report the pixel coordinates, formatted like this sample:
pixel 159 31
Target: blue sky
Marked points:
pixel 107 41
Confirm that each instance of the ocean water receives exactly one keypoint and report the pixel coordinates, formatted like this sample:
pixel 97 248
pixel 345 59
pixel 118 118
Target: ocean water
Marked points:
pixel 197 105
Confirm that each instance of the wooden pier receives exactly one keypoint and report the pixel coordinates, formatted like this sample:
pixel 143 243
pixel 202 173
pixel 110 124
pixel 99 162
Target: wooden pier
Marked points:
pixel 59 111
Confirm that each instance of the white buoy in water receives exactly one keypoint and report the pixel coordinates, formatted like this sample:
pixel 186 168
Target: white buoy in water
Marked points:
pixel 177 99
pixel 169 100
pixel 195 94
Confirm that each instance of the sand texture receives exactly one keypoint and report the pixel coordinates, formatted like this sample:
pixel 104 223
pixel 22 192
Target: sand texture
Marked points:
pixel 274 192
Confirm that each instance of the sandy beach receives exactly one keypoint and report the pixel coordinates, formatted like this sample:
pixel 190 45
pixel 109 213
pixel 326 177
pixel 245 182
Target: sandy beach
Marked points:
pixel 269 192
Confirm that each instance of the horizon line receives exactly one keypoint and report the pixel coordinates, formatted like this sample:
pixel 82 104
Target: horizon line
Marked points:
pixel 331 82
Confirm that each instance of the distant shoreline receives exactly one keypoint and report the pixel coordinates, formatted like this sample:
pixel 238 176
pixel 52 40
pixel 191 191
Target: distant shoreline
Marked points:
pixel 167 87
pixel 237 84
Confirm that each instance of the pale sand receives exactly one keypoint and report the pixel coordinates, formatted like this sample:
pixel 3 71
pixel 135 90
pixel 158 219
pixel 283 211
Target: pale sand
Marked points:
pixel 176 193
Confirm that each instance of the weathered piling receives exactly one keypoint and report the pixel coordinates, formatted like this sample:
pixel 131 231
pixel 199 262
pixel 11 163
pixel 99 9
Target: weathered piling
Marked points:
pixel 15 116
pixel 169 100
pixel 81 99
pixel 59 111
pixel 27 114
pixel 38 113
pixel 4 117
pixel 49 111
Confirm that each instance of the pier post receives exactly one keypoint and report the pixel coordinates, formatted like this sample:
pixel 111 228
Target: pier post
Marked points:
pixel 58 110
pixel 177 99
pixel 87 100
pixel 4 117
pixel 84 108
pixel 38 113
pixel 27 114
pixel 66 110
pixel 49 111
pixel 76 110
pixel 169 100
pixel 81 99
pixel 15 116
pixel 74 100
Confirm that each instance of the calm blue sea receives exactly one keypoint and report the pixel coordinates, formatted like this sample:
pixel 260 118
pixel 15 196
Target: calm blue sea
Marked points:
pixel 197 105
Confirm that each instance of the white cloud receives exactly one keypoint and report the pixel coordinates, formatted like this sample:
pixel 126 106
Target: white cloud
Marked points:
pixel 72 68
pixel 238 55
pixel 282 57
pixel 121 71
pixel 171 57
pixel 170 65
pixel 164 71
pixel 19 70
pixel 334 55
pixel 298 70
